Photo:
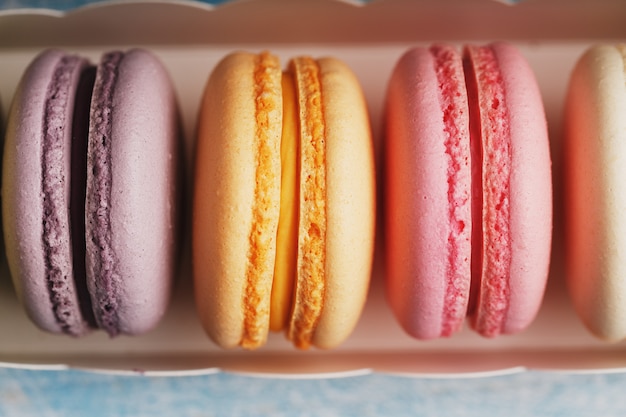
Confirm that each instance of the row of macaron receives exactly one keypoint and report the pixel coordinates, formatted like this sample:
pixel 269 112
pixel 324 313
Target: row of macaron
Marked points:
pixel 284 199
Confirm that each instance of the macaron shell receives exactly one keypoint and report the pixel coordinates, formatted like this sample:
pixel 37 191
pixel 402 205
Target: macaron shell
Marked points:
pixel 530 190
pixel 595 170
pixel 416 197
pixel 22 191
pixel 143 195
pixel 310 277
pixel 224 198
pixel 350 203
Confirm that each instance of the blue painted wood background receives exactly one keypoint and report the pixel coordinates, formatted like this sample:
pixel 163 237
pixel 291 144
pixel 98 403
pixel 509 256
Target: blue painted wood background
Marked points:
pixel 71 4
pixel 28 393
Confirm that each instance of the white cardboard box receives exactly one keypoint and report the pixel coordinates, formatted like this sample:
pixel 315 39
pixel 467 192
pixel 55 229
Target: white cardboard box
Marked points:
pixel 191 38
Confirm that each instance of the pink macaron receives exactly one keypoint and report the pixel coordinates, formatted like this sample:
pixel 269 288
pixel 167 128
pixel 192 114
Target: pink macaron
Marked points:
pixel 89 192
pixel 468 191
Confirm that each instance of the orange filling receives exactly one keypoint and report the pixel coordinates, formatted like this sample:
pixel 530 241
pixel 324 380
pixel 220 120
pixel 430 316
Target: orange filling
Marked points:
pixel 296 275
pixel 298 291
pixel 287 235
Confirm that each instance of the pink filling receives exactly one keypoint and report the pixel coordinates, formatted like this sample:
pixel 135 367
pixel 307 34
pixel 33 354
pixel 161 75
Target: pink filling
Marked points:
pixel 491 152
pixel 453 103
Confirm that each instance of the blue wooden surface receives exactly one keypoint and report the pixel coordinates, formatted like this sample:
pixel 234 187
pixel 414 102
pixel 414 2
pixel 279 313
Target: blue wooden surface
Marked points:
pixel 27 393
pixel 65 4
pixel 72 4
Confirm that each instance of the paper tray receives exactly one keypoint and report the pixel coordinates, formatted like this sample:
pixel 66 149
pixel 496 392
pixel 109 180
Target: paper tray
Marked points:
pixel 555 341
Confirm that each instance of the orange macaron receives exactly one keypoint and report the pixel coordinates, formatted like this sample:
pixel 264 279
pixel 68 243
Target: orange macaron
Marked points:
pixel 284 201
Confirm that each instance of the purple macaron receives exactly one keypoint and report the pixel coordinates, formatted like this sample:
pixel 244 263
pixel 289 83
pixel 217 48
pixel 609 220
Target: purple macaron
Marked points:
pixel 89 192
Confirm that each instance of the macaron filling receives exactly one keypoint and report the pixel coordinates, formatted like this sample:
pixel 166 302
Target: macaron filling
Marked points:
pixel 80 131
pixel 296 274
pixel 298 287
pixel 491 169
pixel 287 234
pixel 67 290
pixel 478 150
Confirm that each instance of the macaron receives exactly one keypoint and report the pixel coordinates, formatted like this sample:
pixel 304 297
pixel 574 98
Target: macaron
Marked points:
pixel 89 192
pixel 468 194
pixel 595 161
pixel 284 201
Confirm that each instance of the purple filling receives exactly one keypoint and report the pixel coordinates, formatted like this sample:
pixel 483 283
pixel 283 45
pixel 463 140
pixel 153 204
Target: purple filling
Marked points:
pixel 67 297
pixel 103 277
pixel 80 130
pixel 60 279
